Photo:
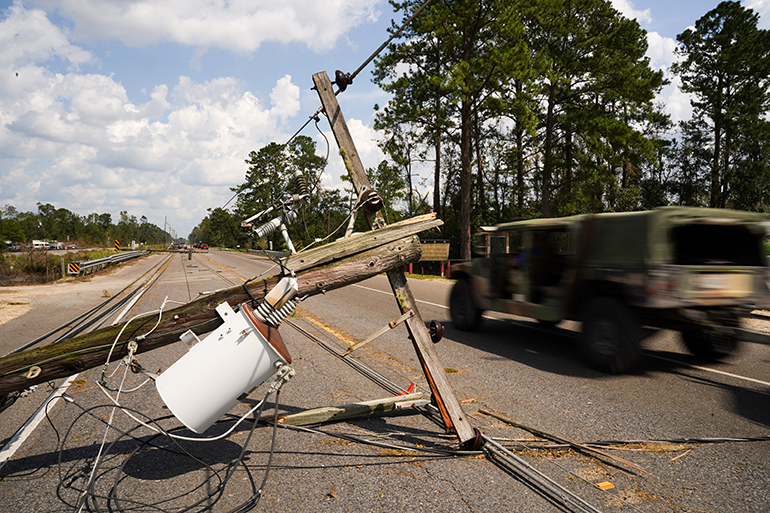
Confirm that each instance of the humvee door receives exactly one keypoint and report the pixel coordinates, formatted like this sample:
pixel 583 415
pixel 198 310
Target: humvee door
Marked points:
pixel 525 276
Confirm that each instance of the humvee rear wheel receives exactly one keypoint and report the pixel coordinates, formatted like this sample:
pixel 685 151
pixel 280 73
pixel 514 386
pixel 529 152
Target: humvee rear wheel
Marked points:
pixel 611 336
pixel 710 345
pixel 465 314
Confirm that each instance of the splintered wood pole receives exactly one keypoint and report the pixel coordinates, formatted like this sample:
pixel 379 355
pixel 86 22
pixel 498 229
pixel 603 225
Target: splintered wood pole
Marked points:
pixel 452 413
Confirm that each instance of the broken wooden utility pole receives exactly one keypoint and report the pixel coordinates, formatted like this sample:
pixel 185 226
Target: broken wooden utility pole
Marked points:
pixel 317 270
pixel 455 419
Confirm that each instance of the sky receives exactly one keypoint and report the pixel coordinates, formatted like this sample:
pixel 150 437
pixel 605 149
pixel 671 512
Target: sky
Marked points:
pixel 152 107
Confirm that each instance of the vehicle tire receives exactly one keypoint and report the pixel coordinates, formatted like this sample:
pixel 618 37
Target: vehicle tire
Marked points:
pixel 465 314
pixel 709 345
pixel 611 336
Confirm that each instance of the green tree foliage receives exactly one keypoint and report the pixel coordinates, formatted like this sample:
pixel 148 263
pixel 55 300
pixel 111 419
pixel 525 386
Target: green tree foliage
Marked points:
pixel 10 228
pixel 59 224
pixel 220 228
pixel 271 178
pixel 388 180
pixel 423 113
pixel 597 88
pixel 460 56
pixel 726 67
pixel 547 103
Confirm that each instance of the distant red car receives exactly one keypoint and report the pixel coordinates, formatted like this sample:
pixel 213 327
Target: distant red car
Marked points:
pixel 203 245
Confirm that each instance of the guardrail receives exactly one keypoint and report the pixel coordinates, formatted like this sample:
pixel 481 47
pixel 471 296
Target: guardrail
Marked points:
pixel 100 263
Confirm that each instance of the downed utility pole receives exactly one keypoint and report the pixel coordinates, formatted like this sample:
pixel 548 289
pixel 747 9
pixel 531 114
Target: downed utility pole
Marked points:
pixel 328 267
pixel 455 419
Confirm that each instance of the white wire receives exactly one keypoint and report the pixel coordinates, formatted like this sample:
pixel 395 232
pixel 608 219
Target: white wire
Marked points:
pixel 148 426
pixel 179 437
pixel 104 438
pixel 141 337
pixel 131 390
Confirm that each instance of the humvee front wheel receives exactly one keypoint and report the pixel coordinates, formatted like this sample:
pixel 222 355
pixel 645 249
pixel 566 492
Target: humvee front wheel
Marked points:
pixel 611 336
pixel 465 314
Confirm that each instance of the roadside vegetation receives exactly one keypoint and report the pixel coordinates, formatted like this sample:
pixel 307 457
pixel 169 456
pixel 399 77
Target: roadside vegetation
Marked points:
pixel 92 231
pixel 37 267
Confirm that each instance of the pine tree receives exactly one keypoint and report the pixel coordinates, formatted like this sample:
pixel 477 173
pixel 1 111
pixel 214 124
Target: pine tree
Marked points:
pixel 726 67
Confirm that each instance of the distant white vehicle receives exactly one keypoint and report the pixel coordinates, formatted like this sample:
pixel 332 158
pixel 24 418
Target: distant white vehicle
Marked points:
pixel 39 244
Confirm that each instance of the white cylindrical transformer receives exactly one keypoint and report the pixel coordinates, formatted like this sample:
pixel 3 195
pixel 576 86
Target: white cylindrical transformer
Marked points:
pixel 238 356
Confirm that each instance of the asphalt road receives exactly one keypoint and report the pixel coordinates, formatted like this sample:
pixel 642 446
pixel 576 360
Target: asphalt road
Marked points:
pixel 512 367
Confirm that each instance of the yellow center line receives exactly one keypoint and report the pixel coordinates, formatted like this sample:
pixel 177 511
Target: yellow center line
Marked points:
pixel 326 328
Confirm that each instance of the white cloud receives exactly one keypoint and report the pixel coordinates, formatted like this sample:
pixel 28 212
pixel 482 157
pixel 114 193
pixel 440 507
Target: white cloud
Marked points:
pixel 626 8
pixel 677 103
pixel 195 63
pixel 27 36
pixel 762 7
pixel 78 141
pixel 285 98
pixel 660 50
pixel 239 25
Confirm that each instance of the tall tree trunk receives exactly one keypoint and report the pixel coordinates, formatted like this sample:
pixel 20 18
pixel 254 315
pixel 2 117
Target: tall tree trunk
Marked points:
pixel 408 171
pixel 519 159
pixel 724 186
pixel 496 192
pixel 715 163
pixel 466 135
pixel 548 158
pixel 482 203
pixel 437 177
pixel 437 141
pixel 568 160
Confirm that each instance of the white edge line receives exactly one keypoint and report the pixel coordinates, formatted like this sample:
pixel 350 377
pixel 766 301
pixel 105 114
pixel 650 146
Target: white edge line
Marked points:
pixel 698 367
pixel 15 443
pixel 730 374
pixel 390 294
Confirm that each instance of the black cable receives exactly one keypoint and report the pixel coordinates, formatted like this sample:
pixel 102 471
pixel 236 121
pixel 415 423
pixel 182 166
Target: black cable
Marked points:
pixel 66 479
pixel 352 438
pixel 391 38
pixel 353 75
pixel 252 501
pixel 248 292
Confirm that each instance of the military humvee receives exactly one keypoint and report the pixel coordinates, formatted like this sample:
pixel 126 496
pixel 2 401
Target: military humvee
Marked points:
pixel 695 270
